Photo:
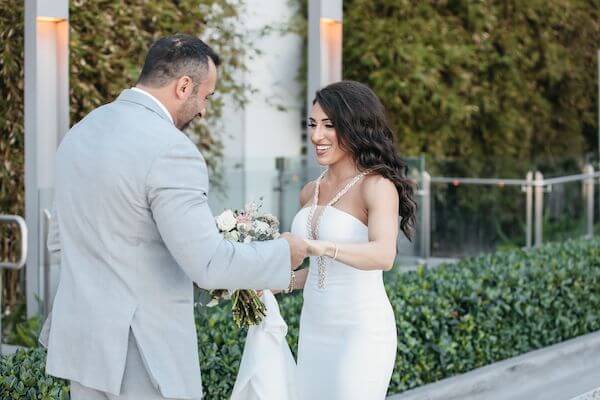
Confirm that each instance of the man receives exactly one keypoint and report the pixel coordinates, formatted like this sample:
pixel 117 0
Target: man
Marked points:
pixel 134 230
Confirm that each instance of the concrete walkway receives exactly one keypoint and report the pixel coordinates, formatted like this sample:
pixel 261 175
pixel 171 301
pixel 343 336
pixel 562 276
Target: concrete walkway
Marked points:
pixel 560 372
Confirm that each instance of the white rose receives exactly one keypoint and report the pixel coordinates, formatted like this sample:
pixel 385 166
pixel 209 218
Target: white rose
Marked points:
pixel 247 239
pixel 226 221
pixel 261 227
pixel 233 236
pixel 244 226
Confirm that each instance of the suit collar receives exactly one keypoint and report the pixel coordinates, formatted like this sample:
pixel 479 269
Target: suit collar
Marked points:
pixel 142 99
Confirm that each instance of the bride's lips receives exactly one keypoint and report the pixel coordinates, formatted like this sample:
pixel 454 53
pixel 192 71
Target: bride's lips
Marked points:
pixel 321 149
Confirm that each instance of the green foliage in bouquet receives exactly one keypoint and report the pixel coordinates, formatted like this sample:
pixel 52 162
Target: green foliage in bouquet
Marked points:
pixel 450 320
pixel 247 308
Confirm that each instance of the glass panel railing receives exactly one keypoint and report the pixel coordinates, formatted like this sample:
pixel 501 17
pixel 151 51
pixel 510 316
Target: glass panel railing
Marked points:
pixel 473 219
pixel 564 214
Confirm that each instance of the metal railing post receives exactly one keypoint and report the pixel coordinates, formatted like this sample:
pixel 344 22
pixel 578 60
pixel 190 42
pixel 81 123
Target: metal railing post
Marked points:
pixel 46 218
pixel 20 222
pixel 529 210
pixel 539 207
pixel 426 216
pixel 588 190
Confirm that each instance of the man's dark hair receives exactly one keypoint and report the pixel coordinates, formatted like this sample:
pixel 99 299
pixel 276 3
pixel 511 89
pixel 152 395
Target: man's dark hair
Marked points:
pixel 174 56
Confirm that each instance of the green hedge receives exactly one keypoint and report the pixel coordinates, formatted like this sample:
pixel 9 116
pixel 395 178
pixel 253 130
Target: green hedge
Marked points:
pixel 450 320
pixel 22 378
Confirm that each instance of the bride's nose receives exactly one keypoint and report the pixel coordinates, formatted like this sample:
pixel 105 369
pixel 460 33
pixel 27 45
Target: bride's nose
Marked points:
pixel 317 134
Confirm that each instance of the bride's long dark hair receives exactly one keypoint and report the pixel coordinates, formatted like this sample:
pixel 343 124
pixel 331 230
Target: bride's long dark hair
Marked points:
pixel 362 130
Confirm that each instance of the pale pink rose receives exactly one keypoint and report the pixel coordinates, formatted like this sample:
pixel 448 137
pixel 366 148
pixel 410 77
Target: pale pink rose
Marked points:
pixel 244 219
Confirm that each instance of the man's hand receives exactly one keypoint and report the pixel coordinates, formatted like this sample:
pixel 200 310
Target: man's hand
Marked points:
pixel 298 248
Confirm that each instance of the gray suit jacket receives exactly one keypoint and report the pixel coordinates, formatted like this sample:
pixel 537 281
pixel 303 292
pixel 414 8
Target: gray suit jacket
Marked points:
pixel 134 230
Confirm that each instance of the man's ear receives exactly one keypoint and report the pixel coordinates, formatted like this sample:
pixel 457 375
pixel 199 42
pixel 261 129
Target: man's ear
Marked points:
pixel 184 87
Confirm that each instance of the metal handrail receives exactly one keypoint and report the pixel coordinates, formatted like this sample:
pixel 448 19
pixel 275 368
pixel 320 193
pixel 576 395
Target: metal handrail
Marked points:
pixel 534 186
pixel 512 182
pixel 15 219
pixel 570 178
pixel 478 181
pixel 23 228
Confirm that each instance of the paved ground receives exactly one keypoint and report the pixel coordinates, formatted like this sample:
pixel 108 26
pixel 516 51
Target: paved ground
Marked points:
pixel 561 372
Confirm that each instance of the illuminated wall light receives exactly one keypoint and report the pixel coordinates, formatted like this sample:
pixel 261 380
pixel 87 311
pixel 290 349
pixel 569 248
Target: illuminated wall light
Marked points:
pixel 50 19
pixel 324 56
pixel 330 21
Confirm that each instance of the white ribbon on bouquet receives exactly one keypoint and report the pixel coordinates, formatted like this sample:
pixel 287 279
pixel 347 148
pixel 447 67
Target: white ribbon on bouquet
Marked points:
pixel 267 370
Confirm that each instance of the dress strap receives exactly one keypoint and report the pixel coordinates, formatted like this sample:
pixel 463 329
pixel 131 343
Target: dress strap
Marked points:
pixel 317 185
pixel 312 227
pixel 342 192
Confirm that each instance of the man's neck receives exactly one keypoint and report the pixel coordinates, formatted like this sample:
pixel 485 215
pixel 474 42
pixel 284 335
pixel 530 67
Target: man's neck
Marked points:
pixel 158 94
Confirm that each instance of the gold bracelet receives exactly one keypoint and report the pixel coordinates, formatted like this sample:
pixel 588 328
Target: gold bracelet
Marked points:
pixel 292 286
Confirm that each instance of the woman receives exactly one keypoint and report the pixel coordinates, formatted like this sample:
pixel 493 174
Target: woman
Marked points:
pixel 349 215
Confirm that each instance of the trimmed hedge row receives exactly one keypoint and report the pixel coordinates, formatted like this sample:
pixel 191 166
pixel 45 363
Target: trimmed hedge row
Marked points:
pixel 450 320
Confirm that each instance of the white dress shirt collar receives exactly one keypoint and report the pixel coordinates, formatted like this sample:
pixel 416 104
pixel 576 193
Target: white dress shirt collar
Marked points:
pixel 161 105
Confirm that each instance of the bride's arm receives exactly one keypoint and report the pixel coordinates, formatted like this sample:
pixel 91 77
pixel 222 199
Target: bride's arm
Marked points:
pixel 381 198
pixel 301 276
pixel 305 196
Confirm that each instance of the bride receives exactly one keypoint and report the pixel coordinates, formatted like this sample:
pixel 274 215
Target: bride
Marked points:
pixel 349 215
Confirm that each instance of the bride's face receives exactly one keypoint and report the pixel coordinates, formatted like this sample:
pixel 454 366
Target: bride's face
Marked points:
pixel 324 137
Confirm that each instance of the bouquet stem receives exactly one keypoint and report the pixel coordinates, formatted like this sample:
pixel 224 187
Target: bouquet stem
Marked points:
pixel 247 308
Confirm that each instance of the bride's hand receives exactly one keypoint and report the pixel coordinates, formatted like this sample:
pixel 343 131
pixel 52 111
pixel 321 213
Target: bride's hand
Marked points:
pixel 319 248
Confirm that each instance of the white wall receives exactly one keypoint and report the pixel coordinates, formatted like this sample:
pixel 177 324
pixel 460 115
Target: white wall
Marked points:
pixel 255 135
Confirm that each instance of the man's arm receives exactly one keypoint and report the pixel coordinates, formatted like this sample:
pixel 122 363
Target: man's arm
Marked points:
pixel 177 189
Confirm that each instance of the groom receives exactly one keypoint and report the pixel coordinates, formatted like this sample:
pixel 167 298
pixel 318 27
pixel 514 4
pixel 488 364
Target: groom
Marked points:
pixel 135 231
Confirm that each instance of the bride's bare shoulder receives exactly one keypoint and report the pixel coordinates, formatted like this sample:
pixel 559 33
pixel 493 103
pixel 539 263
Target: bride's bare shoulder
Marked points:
pixel 306 193
pixel 379 188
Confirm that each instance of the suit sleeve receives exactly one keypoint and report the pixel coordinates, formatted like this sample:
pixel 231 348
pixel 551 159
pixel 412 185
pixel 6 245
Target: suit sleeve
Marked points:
pixel 177 190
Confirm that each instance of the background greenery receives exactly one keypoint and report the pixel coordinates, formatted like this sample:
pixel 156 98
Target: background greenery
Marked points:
pixel 450 320
pixel 490 87
pixel 108 42
pixel 481 89
pixel 484 89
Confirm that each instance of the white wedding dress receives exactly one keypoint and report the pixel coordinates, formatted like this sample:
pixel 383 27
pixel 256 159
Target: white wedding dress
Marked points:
pixel 347 343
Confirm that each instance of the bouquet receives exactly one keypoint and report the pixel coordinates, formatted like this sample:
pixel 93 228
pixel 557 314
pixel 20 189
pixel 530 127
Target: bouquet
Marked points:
pixel 245 226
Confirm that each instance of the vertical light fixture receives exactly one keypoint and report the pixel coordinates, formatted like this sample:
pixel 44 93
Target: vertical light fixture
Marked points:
pixel 324 56
pixel 46 121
